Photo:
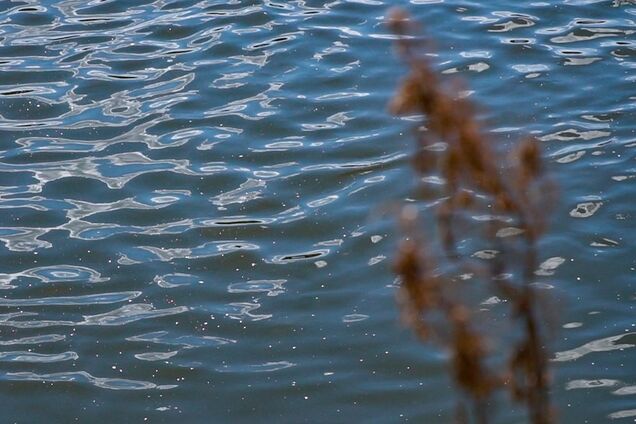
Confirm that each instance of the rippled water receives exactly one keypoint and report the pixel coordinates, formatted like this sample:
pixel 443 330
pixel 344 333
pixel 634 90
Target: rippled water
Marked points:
pixel 197 203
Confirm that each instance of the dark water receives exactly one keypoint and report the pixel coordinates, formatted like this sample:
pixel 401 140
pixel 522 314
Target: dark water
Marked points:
pixel 196 203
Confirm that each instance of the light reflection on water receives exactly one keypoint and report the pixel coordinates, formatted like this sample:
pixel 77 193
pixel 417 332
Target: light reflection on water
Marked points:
pixel 196 204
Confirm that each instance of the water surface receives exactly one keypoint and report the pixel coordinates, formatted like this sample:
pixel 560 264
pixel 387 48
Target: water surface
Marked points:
pixel 197 205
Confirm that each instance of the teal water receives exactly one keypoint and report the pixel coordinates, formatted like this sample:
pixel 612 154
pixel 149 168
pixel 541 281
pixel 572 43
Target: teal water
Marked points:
pixel 198 205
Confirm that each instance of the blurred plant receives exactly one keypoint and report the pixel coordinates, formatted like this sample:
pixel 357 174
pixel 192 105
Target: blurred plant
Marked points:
pixel 439 278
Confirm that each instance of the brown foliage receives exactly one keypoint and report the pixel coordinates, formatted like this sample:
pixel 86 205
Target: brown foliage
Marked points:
pixel 477 178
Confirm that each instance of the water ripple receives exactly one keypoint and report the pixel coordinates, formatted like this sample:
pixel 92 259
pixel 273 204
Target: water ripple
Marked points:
pixel 196 191
pixel 90 299
pixel 187 342
pixel 85 377
pixel 21 356
pixel 602 345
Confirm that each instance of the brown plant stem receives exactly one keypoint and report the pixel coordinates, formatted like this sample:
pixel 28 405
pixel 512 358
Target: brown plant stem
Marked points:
pixel 476 178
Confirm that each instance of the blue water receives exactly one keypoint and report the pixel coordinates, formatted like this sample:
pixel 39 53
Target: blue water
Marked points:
pixel 198 205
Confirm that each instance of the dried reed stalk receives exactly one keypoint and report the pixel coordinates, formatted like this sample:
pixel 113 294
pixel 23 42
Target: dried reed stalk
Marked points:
pixel 477 178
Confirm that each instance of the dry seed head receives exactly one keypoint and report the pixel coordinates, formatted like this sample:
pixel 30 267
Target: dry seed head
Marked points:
pixel 471 168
